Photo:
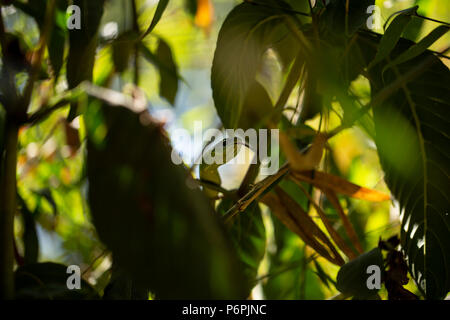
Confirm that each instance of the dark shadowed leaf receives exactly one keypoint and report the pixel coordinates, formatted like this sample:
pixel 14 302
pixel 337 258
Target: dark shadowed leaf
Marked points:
pixel 168 70
pixel 248 31
pixel 82 46
pixel 122 287
pixel 48 281
pixel 168 82
pixel 249 237
pixel 352 277
pixel 162 233
pixel 334 20
pixel 412 137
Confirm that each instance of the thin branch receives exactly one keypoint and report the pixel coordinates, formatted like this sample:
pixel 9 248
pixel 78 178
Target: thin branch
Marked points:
pixel 254 193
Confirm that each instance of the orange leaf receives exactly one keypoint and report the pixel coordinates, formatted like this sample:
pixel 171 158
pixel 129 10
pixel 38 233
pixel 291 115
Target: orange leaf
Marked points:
pixel 324 180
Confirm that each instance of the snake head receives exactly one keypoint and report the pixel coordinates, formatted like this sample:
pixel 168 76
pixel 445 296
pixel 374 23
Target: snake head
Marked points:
pixel 223 151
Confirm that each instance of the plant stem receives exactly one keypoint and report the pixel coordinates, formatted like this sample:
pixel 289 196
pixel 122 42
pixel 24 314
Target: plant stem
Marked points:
pixel 7 209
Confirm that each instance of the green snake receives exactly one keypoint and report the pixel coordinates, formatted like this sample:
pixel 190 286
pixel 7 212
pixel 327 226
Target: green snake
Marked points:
pixel 210 172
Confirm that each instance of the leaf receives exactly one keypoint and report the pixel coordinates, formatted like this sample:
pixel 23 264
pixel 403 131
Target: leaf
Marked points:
pixel 352 277
pixel 56 42
pixel 48 281
pixel 122 287
pixel 82 46
pixel 256 107
pixel 163 234
pixel 168 84
pixel 323 180
pixel 247 32
pixel 334 19
pixel 162 4
pixel 412 137
pixel 248 234
pixel 392 35
pixel 168 70
pixel 122 48
pixel 338 240
pixel 302 162
pixel 419 47
pixel 30 238
pixel 348 226
pixel 298 221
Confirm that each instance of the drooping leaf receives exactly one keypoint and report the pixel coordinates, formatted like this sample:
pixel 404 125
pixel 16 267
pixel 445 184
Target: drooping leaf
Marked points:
pixel 247 32
pixel 248 234
pixel 168 70
pixel 412 135
pixel 177 249
pixel 48 281
pixel 162 4
pixel 121 50
pixel 168 83
pixel 323 180
pixel 352 277
pixel 419 47
pixel 392 35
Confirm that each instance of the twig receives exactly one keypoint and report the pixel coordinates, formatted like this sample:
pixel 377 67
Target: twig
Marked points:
pixel 254 193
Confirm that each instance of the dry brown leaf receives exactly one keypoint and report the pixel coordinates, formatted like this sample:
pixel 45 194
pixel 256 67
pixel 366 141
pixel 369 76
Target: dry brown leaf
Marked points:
pixel 303 162
pixel 333 233
pixel 298 221
pixel 332 197
pixel 337 184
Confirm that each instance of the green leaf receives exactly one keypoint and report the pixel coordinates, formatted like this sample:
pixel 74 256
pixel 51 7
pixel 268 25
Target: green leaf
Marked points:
pixel 168 83
pixel 56 43
pixel 392 35
pixel 256 107
pixel 162 4
pixel 352 277
pixel 412 137
pixel 168 70
pixel 248 234
pixel 247 32
pixel 419 47
pixel 161 232
pixel 48 281
pixel 82 46
pixel 122 48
